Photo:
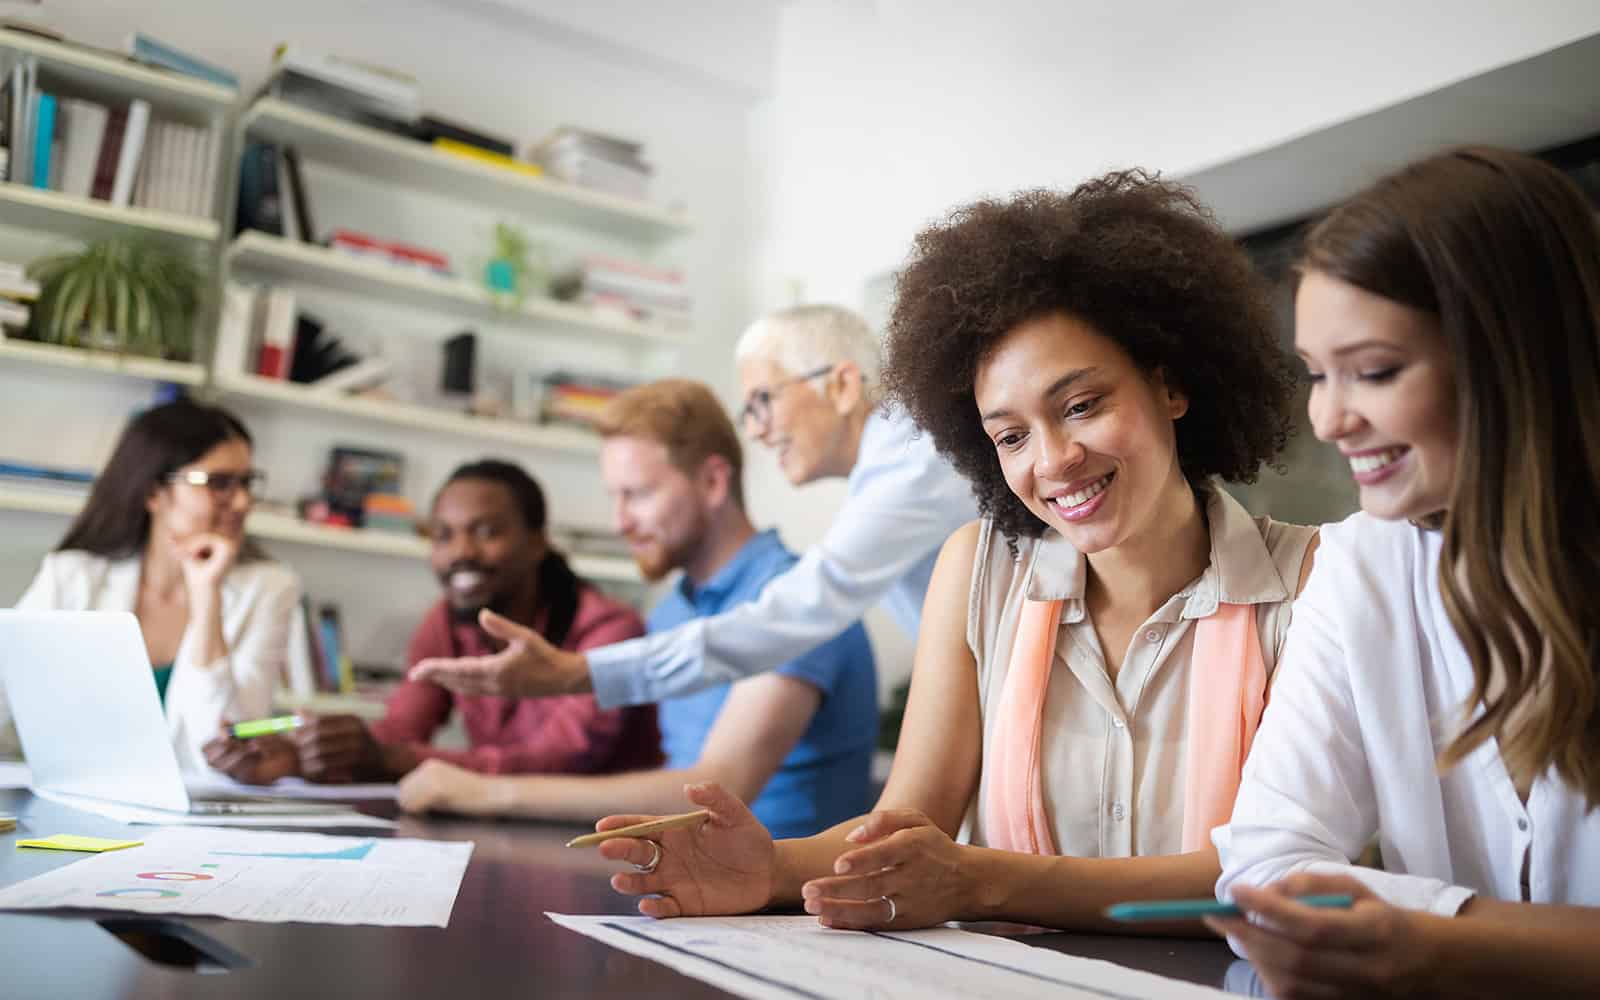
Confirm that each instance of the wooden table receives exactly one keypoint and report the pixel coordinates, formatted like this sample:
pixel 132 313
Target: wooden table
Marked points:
pixel 499 942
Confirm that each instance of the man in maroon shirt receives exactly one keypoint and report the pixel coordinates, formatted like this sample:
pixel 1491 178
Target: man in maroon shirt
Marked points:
pixel 491 555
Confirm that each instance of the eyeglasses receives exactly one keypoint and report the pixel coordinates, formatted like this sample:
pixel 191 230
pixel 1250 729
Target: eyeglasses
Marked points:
pixel 757 408
pixel 222 484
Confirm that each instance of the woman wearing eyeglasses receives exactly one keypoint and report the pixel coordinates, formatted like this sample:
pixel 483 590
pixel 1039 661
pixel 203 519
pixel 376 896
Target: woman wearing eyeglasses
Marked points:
pixel 162 535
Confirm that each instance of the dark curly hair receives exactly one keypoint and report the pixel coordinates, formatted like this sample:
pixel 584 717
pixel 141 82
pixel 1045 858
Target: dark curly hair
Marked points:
pixel 1139 259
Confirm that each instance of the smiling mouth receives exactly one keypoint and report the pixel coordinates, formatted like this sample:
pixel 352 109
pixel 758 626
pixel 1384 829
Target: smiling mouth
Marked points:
pixel 1070 503
pixel 1372 462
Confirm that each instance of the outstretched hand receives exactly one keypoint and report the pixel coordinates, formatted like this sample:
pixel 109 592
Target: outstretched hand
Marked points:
pixel 726 865
pixel 529 666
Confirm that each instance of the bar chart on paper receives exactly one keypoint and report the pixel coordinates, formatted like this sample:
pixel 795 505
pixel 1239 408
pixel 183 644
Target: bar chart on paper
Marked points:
pixel 270 877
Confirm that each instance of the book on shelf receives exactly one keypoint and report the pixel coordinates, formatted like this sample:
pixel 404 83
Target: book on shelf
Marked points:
pixel 260 202
pixel 299 204
pixel 105 166
pixel 177 168
pixel 277 319
pixel 83 133
pixel 153 52
pixel 19 97
pixel 44 134
pixel 130 151
pixel 407 255
pixel 470 152
pixel 431 127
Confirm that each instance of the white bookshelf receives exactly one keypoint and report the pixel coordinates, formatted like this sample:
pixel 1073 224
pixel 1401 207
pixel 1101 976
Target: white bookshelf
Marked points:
pixel 276 527
pixel 427 418
pixel 330 269
pixel 26 353
pixel 40 501
pixel 408 163
pixel 27 207
pixel 108 75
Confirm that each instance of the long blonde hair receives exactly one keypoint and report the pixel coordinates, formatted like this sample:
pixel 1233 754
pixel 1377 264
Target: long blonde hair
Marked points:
pixel 1505 250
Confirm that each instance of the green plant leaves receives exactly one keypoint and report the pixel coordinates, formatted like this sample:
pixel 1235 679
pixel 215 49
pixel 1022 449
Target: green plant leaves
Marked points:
pixel 126 295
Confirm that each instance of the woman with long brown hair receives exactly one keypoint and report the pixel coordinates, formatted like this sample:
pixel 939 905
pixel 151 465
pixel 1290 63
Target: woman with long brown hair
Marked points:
pixel 1441 685
pixel 162 536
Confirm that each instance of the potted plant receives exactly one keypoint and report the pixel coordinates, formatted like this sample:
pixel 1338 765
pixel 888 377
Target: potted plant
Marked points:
pixel 516 267
pixel 118 294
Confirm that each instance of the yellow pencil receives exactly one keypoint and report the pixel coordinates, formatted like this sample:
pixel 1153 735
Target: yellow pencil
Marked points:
pixel 642 829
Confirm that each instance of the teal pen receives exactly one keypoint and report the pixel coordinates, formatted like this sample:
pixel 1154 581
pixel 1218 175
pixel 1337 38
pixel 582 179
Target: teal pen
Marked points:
pixel 1193 909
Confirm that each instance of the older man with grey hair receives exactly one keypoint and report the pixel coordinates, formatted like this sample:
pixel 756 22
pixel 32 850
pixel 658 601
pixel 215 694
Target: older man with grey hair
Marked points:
pixel 811 391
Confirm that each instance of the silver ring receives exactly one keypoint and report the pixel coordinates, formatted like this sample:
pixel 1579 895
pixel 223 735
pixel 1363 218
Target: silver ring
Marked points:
pixel 655 859
pixel 892 911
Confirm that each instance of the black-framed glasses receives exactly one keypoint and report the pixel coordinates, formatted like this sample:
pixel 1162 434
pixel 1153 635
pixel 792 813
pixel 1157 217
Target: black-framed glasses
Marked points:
pixel 222 484
pixel 757 407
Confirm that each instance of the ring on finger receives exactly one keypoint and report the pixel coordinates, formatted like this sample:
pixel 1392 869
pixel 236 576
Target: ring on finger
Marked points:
pixel 655 859
pixel 892 910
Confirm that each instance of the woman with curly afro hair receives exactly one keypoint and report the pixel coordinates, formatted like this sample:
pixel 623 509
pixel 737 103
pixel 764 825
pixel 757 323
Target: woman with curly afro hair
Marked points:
pixel 1095 650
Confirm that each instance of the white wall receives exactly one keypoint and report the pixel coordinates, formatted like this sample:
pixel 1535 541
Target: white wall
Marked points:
pixel 887 114
pixel 478 62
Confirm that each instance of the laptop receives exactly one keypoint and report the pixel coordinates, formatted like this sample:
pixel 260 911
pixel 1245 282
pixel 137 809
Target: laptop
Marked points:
pixel 90 720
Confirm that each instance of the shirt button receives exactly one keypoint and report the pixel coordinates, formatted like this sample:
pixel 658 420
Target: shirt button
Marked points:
pixel 1117 812
pixel 1522 824
pixel 1153 635
pixel 1119 723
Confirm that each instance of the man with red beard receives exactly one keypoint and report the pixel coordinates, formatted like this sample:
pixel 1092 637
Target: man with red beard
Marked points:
pixel 491 555
pixel 795 743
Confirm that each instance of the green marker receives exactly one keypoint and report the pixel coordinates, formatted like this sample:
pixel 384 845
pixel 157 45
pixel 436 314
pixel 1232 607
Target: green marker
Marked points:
pixel 1193 909
pixel 265 727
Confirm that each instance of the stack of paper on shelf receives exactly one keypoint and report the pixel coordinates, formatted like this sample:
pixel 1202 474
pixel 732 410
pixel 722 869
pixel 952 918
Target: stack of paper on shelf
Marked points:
pixel 17 290
pixel 629 289
pixel 345 88
pixel 594 161
pixel 576 398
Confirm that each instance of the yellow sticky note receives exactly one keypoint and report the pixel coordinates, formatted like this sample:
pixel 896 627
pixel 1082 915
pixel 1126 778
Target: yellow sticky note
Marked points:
pixel 72 842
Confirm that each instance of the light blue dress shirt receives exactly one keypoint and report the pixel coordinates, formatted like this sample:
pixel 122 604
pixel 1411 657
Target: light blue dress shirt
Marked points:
pixel 903 500
pixel 825 778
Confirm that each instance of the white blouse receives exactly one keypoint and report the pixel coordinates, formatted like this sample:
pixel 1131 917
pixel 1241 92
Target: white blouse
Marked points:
pixel 1372 686
pixel 1113 749
pixel 258 603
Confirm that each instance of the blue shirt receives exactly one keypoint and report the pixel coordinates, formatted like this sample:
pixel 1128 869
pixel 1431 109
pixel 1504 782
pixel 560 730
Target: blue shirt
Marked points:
pixel 825 779
pixel 902 501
